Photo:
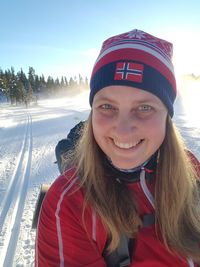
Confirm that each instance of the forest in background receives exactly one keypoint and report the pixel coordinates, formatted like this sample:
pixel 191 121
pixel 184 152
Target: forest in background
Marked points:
pixel 19 88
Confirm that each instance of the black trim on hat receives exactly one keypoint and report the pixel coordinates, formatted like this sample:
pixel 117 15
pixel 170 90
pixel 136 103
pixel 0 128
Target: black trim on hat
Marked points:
pixel 152 81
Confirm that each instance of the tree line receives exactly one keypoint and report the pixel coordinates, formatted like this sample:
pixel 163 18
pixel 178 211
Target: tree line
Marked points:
pixel 21 88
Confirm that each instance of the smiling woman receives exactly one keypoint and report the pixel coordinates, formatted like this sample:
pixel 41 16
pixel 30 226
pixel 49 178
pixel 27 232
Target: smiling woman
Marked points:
pixel 131 196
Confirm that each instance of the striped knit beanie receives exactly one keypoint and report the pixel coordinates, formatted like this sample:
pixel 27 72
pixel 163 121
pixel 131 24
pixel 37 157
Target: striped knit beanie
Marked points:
pixel 136 59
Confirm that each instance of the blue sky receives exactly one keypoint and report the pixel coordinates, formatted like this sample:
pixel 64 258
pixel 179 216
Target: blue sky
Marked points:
pixel 63 37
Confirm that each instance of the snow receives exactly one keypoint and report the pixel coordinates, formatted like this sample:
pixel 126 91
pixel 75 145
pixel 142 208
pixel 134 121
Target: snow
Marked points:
pixel 28 139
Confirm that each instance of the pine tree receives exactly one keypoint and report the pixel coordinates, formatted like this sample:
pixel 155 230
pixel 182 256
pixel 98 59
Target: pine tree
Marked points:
pixel 20 93
pixel 62 83
pixel 6 82
pixel 57 83
pixel 3 86
pixel 31 78
pixel 29 94
pixel 71 83
pixel 12 83
pixel 37 84
pixel 66 83
pixel 81 83
pixel 42 85
pixel 50 85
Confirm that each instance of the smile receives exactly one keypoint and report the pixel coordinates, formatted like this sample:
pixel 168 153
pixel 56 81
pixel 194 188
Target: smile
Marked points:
pixel 127 145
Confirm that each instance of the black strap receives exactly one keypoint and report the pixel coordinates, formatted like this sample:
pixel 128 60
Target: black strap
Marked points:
pixel 148 219
pixel 43 189
pixel 121 256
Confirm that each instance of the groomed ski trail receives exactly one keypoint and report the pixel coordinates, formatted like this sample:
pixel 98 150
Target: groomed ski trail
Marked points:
pixel 14 199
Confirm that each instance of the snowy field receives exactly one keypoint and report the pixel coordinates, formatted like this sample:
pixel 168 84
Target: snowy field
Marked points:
pixel 27 142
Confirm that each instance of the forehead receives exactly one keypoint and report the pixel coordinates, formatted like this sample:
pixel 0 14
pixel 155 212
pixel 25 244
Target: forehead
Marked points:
pixel 125 93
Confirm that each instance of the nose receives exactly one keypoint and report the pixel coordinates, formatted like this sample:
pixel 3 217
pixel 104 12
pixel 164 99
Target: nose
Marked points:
pixel 125 126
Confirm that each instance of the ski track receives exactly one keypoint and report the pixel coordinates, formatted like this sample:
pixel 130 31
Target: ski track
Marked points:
pixel 51 122
pixel 14 198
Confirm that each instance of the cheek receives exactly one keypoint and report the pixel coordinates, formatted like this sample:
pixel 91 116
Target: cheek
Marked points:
pixel 96 119
pixel 157 129
pixel 102 126
pixel 100 121
pixel 98 130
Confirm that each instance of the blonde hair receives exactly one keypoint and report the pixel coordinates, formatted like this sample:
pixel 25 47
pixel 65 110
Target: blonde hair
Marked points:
pixel 176 194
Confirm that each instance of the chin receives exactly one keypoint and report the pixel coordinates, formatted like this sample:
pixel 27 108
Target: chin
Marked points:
pixel 125 165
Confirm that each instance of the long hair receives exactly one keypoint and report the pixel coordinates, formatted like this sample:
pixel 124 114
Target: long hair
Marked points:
pixel 176 194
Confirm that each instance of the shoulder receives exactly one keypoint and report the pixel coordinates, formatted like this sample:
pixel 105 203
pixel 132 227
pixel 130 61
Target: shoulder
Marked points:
pixel 65 182
pixel 65 200
pixel 64 203
pixel 63 231
pixel 63 207
pixel 65 191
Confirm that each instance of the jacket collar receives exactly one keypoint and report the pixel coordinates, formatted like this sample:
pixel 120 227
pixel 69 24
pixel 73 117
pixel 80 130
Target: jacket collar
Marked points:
pixel 131 175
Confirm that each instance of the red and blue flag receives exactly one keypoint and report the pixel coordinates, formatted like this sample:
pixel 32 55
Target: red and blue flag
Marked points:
pixel 129 71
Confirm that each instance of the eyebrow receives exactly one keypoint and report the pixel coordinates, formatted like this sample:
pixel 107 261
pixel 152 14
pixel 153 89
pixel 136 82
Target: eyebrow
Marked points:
pixel 145 100
pixel 103 98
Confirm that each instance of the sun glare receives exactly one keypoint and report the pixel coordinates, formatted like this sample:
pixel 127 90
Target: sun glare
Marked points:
pixel 186 56
pixel 190 92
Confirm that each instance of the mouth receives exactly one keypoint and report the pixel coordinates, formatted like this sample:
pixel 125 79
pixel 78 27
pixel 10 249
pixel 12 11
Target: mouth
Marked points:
pixel 128 145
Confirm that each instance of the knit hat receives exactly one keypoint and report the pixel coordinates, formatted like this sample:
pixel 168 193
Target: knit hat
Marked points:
pixel 136 59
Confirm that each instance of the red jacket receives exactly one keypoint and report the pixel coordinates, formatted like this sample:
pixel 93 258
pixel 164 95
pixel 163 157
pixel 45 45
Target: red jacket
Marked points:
pixel 63 240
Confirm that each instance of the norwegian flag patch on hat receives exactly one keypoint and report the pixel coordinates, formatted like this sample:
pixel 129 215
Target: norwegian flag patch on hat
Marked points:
pixel 129 71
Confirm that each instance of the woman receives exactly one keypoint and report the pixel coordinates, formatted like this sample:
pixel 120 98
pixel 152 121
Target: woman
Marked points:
pixel 132 175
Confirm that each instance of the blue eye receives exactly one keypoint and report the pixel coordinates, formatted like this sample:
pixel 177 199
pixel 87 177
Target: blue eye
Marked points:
pixel 145 108
pixel 107 106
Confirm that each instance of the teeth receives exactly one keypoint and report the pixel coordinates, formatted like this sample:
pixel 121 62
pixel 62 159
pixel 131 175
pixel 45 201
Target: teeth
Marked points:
pixel 126 145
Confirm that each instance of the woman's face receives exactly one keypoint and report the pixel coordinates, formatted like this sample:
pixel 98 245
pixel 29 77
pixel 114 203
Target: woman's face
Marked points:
pixel 128 124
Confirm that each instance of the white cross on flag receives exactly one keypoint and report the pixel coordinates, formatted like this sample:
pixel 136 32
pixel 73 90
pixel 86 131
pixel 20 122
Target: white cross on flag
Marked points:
pixel 129 71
